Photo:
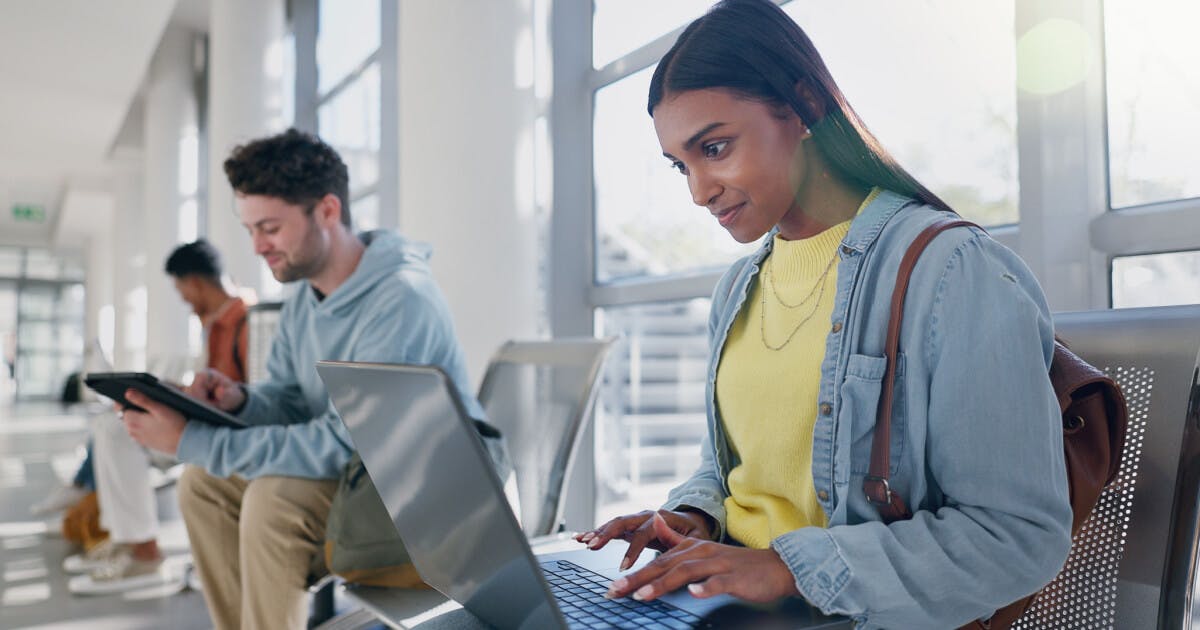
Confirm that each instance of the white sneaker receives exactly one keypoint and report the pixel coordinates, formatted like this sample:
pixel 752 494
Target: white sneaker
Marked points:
pixel 121 573
pixel 93 558
pixel 59 500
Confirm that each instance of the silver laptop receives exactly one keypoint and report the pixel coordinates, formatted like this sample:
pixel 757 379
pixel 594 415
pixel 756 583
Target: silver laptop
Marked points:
pixel 437 481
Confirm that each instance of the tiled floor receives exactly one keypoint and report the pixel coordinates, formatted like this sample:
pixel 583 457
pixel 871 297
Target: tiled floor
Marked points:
pixel 39 447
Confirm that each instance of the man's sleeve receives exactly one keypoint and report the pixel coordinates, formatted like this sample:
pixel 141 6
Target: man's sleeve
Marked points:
pixel 317 449
pixel 410 331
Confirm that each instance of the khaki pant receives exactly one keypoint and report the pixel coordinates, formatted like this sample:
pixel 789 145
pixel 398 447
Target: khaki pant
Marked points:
pixel 253 544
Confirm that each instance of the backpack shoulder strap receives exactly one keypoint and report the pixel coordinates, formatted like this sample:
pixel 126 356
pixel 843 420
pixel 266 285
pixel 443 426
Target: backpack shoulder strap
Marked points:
pixel 875 485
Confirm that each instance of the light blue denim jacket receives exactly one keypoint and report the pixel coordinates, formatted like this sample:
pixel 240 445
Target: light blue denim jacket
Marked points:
pixel 976 447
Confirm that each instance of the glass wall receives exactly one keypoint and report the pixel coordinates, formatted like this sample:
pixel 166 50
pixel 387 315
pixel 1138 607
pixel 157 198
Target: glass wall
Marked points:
pixel 912 71
pixel 650 415
pixel 1153 100
pixel 646 223
pixel 41 322
pixel 8 330
pixel 622 26
pixel 1156 280
pixel 348 96
pixel 1153 128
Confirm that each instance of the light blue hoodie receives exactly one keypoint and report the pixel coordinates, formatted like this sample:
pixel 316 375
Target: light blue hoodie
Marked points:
pixel 388 311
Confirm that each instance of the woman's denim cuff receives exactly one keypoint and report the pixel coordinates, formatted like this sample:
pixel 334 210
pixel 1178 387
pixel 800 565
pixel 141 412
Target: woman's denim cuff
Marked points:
pixel 704 503
pixel 813 558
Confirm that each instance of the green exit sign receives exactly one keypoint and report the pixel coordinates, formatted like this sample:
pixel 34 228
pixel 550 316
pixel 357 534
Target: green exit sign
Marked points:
pixel 29 212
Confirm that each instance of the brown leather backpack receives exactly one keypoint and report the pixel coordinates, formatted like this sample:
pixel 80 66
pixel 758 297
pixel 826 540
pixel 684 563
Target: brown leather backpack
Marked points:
pixel 1094 417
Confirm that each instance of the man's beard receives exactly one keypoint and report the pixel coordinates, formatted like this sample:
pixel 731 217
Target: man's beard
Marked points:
pixel 310 258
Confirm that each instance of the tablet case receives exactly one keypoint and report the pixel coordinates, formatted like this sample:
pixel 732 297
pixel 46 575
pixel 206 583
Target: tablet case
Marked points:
pixel 114 384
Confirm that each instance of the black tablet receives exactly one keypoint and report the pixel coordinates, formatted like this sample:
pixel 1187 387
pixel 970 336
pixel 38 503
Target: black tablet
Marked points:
pixel 114 385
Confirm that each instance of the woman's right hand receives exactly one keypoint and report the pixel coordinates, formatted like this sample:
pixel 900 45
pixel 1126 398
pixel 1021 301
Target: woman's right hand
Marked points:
pixel 638 531
pixel 217 389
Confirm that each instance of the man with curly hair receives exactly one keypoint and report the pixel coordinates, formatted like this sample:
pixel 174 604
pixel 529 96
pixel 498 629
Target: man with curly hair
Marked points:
pixel 255 500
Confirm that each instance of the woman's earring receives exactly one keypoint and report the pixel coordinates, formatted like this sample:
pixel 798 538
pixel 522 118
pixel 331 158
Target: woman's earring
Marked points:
pixel 806 134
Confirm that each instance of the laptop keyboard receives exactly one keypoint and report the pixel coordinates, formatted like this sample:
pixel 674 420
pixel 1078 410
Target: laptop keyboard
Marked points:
pixel 580 596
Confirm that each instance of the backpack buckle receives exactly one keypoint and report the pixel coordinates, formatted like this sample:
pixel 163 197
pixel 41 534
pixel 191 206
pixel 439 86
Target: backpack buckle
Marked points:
pixel 878 491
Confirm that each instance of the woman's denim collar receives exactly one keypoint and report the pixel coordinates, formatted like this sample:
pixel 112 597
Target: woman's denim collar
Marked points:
pixel 869 223
pixel 863 230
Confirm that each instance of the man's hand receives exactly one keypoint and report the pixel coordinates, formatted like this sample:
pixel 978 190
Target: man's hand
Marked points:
pixel 158 428
pixel 707 568
pixel 217 390
pixel 639 531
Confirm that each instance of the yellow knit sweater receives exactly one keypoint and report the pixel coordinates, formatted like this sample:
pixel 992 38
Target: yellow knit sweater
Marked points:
pixel 767 388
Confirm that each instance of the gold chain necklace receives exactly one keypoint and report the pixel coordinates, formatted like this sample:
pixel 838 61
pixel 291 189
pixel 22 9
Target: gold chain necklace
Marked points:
pixel 820 282
pixel 762 323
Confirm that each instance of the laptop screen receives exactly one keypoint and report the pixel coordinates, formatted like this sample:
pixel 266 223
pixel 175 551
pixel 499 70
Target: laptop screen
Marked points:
pixel 437 482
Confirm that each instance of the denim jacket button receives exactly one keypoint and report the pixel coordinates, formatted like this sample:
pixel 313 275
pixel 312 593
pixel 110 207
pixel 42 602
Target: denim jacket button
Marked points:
pixel 847 250
pixel 822 495
pixel 837 327
pixel 826 409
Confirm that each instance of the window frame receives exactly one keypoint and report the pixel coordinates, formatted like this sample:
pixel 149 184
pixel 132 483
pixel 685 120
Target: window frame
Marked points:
pixel 306 25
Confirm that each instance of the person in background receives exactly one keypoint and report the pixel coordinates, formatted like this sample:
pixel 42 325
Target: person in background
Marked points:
pixel 67 495
pixel 131 557
pixel 749 115
pixel 256 500
pixel 196 270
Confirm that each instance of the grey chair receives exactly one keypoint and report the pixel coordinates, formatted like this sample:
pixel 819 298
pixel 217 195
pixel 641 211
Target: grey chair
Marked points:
pixel 1133 565
pixel 540 395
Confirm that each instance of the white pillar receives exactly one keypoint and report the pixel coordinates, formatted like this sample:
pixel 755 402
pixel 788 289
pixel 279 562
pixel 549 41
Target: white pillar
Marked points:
pixel 169 133
pixel 1061 149
pixel 100 317
pixel 245 101
pixel 484 230
pixel 128 267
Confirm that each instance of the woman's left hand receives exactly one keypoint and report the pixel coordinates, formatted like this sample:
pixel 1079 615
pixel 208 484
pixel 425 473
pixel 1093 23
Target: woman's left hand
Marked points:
pixel 708 568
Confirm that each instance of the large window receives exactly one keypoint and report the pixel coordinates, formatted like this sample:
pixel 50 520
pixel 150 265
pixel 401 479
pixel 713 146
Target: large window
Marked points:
pixel 349 106
pixel 1156 280
pixel 646 222
pixel 1153 100
pixel 1153 107
pixel 348 35
pixel 41 322
pixel 353 55
pixel 935 81
pixel 622 26
pixel 956 131
pixel 650 417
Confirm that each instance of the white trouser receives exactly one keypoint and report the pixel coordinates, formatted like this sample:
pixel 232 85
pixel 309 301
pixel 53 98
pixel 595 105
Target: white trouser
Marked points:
pixel 127 506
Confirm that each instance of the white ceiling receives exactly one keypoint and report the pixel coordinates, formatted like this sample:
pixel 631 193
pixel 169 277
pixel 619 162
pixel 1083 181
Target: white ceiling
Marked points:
pixel 69 71
pixel 90 213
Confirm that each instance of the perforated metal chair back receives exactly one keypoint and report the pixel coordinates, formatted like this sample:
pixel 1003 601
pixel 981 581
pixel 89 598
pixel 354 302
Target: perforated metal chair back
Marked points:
pixel 1132 565
pixel 540 395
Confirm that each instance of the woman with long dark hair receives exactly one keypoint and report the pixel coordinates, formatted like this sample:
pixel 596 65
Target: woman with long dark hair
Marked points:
pixel 746 110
